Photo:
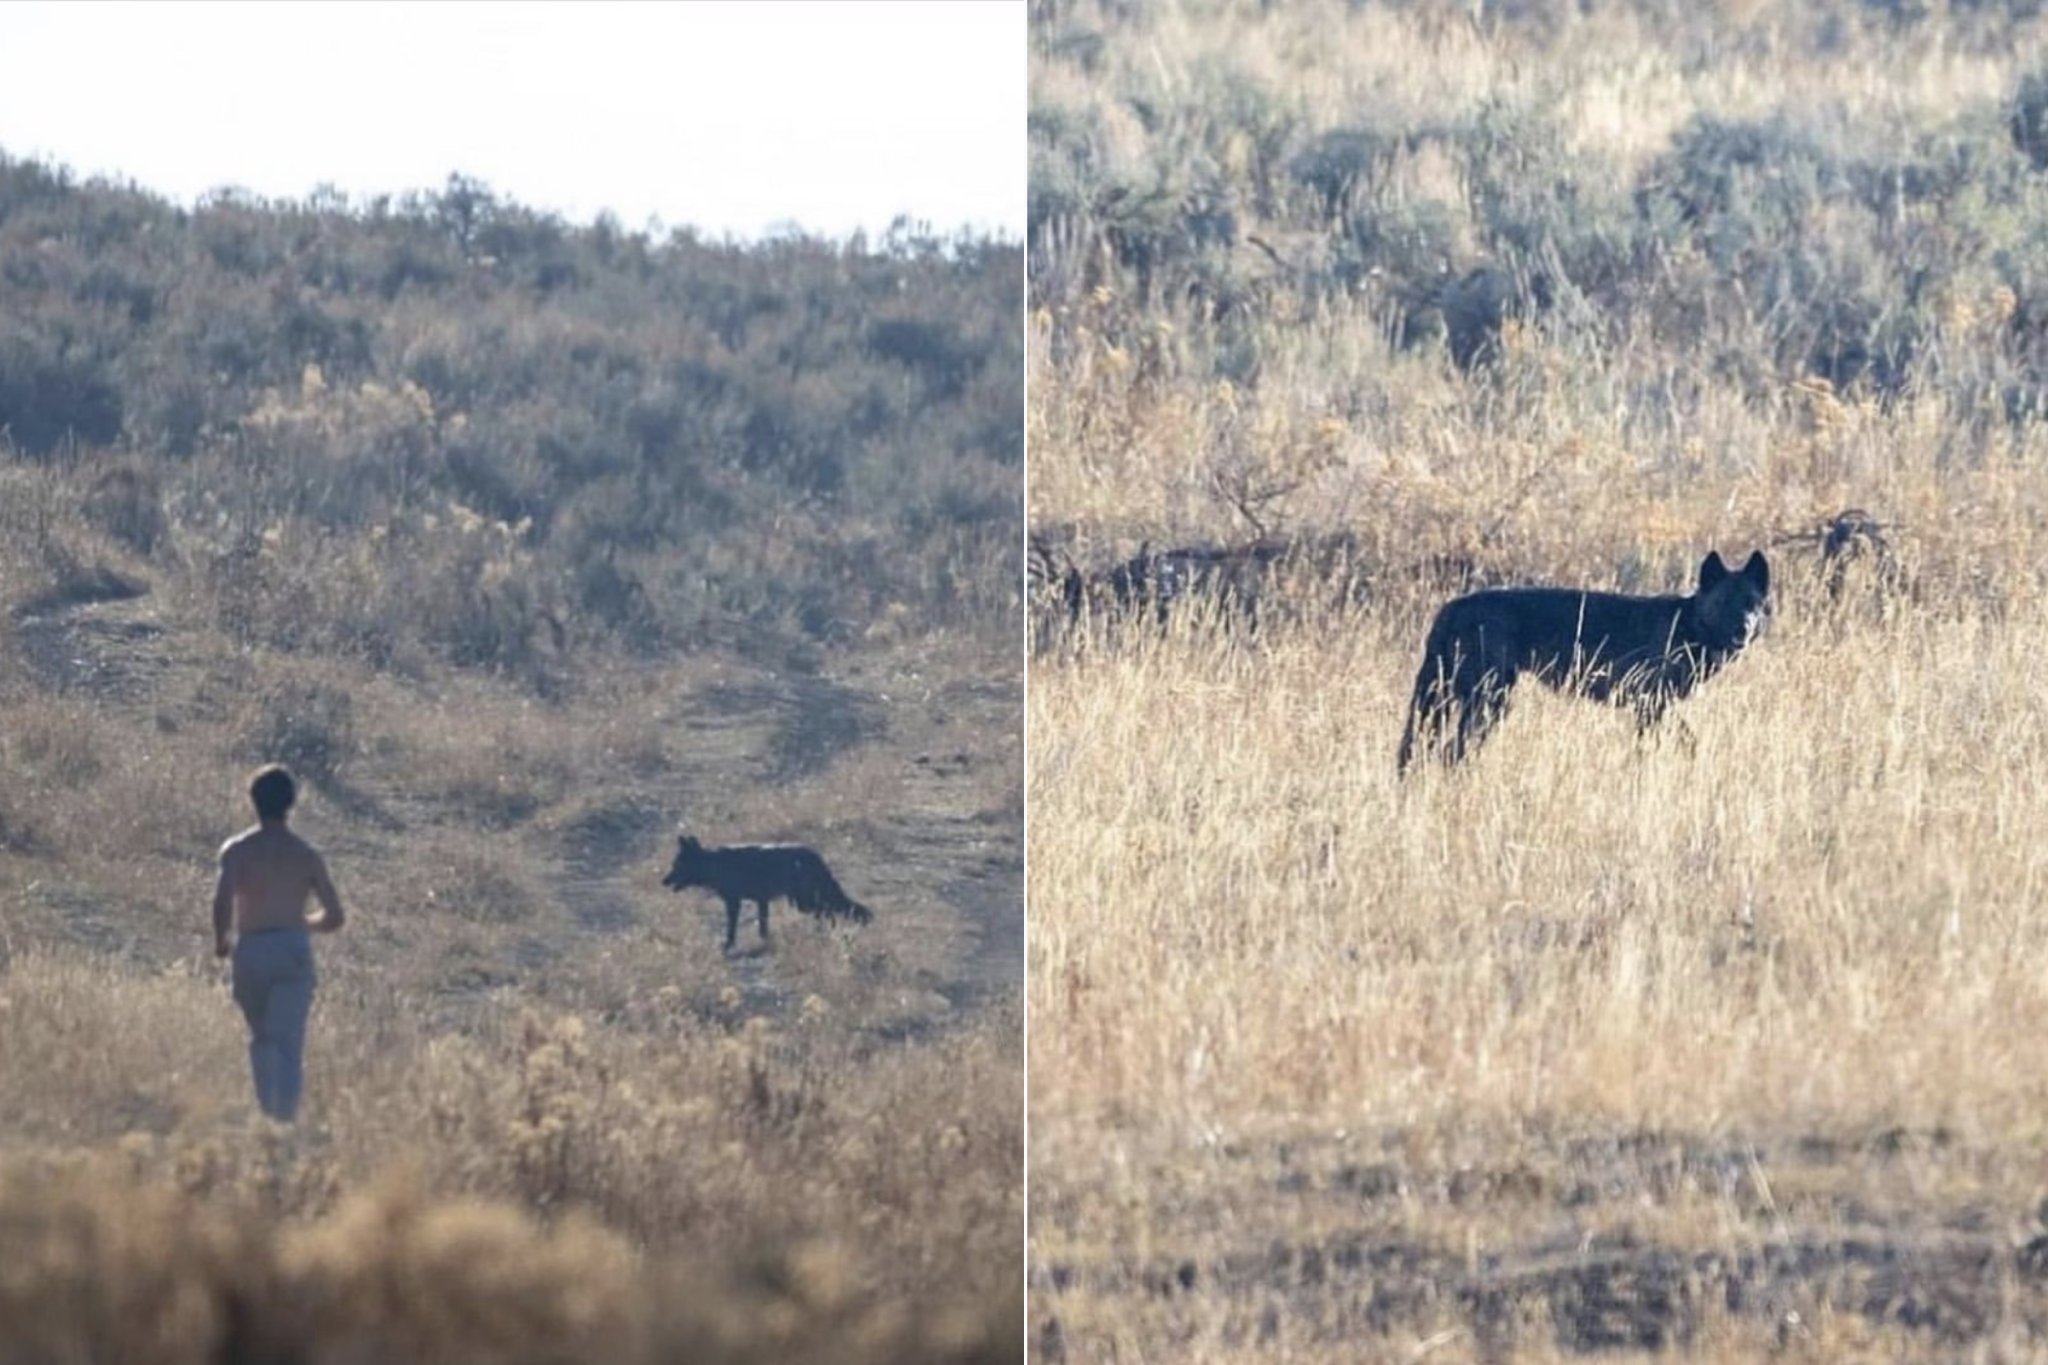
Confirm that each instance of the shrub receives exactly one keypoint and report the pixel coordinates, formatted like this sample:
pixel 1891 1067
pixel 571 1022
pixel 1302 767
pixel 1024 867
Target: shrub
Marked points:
pixel 307 726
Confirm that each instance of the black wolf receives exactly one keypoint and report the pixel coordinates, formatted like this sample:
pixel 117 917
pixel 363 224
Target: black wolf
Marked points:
pixel 762 873
pixel 1641 652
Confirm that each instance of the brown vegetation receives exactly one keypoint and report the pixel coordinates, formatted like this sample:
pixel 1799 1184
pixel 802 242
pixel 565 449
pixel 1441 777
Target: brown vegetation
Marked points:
pixel 518 543
pixel 1717 1050
pixel 530 1187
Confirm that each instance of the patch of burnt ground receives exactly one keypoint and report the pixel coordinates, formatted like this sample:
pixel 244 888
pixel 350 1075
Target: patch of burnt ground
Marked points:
pixel 1552 1280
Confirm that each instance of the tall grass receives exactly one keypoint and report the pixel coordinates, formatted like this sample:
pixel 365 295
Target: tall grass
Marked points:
pixel 546 1119
pixel 1243 921
pixel 539 1186
pixel 1455 1063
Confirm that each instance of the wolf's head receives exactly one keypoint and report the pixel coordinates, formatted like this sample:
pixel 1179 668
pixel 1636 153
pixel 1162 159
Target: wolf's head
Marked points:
pixel 689 861
pixel 1732 607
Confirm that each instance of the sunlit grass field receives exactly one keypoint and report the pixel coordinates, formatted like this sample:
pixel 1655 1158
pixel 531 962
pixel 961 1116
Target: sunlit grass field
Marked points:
pixel 522 544
pixel 541 1186
pixel 1261 963
pixel 1720 1043
pixel 546 1118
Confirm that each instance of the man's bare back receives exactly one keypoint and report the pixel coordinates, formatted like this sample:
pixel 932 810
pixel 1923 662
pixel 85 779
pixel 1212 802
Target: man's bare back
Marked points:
pixel 267 875
pixel 259 918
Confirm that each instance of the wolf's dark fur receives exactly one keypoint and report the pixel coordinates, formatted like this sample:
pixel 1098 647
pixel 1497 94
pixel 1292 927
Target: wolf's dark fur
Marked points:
pixel 762 873
pixel 1641 652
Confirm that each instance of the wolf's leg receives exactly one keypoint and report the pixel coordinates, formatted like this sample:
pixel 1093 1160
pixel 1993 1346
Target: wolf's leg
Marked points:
pixel 1436 692
pixel 1650 709
pixel 1417 708
pixel 764 918
pixel 1481 706
pixel 1426 724
pixel 1484 674
pixel 1650 722
pixel 732 921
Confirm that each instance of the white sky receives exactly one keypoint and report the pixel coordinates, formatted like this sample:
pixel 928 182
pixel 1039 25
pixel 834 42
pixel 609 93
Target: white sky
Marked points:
pixel 730 117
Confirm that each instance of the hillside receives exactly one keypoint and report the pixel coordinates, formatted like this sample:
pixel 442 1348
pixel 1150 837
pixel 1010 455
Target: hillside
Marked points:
pixel 521 543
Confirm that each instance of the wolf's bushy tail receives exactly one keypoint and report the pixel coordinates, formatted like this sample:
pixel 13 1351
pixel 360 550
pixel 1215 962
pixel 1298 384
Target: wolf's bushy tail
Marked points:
pixel 818 892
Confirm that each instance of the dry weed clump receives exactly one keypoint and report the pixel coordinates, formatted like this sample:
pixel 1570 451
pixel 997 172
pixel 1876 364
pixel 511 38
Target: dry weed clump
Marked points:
pixel 100 1267
pixel 641 1145
pixel 395 1272
pixel 107 1265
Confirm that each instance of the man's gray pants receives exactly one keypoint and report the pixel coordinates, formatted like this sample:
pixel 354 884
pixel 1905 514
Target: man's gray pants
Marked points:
pixel 274 987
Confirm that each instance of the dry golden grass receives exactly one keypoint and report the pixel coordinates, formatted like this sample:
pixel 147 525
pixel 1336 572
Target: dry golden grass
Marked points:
pixel 1260 964
pixel 546 1118
pixel 108 1265
pixel 1589 921
pixel 1723 1049
pixel 511 601
pixel 681 1133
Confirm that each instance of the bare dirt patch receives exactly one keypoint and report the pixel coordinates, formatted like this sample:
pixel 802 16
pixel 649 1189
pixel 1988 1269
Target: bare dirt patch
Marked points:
pixel 1644 1242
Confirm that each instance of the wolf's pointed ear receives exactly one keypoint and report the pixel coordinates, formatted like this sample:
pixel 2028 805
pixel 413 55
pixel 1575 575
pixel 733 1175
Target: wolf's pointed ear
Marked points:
pixel 685 841
pixel 1758 571
pixel 1712 571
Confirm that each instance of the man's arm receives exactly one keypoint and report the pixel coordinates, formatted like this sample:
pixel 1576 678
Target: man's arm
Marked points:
pixel 223 907
pixel 331 915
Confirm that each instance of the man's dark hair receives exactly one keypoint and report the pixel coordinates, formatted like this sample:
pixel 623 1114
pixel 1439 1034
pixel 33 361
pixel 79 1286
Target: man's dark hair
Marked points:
pixel 273 791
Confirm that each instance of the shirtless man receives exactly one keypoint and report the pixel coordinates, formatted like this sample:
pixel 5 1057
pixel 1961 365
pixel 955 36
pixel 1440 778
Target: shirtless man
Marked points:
pixel 259 914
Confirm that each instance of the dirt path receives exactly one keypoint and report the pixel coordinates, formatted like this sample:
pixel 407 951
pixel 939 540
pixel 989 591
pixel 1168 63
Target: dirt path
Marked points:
pixel 933 844
pixel 110 649
pixel 933 848
pixel 941 863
